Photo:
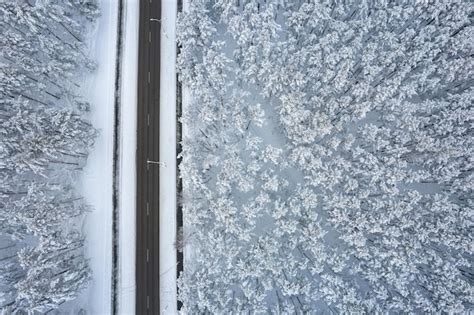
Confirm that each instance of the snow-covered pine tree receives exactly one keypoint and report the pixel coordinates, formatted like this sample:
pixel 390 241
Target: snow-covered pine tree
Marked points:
pixel 45 140
pixel 55 272
pixel 37 136
pixel 371 104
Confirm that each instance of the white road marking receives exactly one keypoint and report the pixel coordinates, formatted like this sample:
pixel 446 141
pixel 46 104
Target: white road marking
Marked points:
pixel 161 164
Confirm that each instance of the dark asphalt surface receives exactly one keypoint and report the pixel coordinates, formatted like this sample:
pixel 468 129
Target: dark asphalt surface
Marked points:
pixel 147 255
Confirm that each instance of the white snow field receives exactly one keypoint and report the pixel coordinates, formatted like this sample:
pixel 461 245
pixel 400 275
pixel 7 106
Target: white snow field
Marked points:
pixel 168 158
pixel 97 176
pixel 97 179
pixel 128 139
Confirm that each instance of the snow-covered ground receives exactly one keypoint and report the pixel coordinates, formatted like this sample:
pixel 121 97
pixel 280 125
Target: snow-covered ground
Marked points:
pixel 168 158
pixel 97 179
pixel 97 176
pixel 128 139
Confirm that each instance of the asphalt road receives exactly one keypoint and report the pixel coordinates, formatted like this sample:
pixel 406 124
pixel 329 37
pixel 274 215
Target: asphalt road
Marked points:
pixel 147 255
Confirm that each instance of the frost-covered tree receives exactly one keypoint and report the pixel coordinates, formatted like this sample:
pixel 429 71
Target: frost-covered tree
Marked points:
pixel 10 271
pixel 55 272
pixel 43 210
pixel 36 136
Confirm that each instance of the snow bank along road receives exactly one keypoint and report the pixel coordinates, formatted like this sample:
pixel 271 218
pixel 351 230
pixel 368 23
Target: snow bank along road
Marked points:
pixel 168 154
pixel 96 180
pixel 147 251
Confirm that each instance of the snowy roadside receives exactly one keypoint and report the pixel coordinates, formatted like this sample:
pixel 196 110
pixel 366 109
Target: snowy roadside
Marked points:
pixel 96 181
pixel 168 293
pixel 127 181
pixel 97 178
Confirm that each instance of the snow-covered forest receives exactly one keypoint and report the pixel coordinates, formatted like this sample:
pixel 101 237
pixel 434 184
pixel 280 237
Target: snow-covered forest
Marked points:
pixel 328 156
pixel 45 140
